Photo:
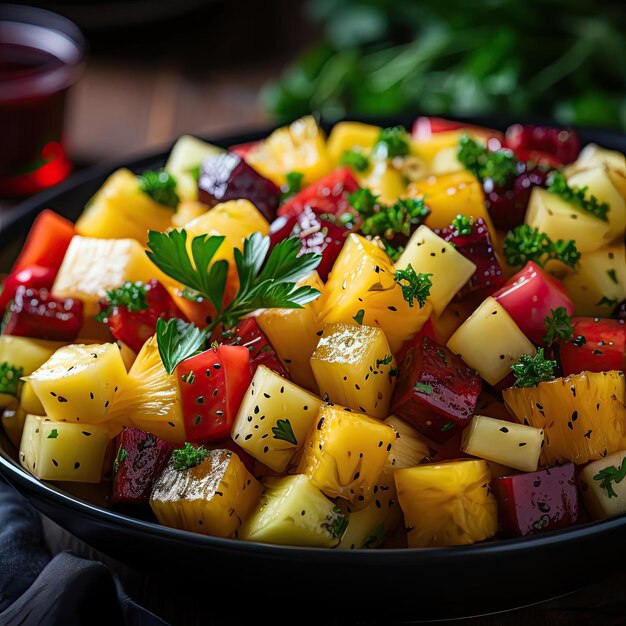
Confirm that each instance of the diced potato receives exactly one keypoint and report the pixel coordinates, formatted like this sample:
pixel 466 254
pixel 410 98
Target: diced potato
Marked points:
pixel 354 367
pixel 79 382
pixel 409 448
pixel 447 504
pixel 188 154
pixel 294 512
pixel 121 210
pixel 345 453
pixel 274 419
pixel 212 498
pixel 602 496
pixel 513 445
pixel 351 136
pixel 63 451
pixel 558 219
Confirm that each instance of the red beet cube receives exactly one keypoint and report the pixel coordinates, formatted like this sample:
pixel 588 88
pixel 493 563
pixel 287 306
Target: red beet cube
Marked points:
pixel 36 313
pixel 227 176
pixel 33 276
pixel 538 142
pixel 140 460
pixel 478 248
pixel 436 391
pixel 537 502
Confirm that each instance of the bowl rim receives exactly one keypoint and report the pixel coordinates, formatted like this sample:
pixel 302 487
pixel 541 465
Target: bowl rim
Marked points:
pixel 10 470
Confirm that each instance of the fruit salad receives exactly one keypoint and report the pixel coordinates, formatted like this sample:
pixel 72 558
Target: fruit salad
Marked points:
pixel 380 337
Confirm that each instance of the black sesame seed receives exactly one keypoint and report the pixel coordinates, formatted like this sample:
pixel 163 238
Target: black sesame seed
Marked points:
pixel 76 465
pixel 504 429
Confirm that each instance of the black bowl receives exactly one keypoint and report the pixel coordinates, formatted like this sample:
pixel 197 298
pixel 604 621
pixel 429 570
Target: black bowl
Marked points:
pixel 409 584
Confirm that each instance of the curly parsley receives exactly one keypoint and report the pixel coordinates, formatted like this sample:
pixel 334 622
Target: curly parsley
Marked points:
pixel 500 166
pixel 160 186
pixel 558 326
pixel 415 287
pixel 530 370
pixel 188 456
pixel 131 296
pixel 524 243
pixel 611 475
pixel 558 185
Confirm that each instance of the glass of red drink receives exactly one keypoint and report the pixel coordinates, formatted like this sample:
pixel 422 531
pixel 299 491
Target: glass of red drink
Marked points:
pixel 41 56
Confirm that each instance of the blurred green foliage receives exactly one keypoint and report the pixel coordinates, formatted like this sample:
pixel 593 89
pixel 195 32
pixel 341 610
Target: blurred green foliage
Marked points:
pixel 553 58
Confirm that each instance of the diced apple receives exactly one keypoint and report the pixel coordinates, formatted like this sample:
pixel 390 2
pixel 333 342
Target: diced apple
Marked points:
pixel 603 496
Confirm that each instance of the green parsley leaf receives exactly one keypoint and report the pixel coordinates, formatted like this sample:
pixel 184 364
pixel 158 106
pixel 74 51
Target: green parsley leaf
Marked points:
pixel 610 475
pixel 284 432
pixel 178 340
pixel 54 433
pixel 121 455
pixel 160 186
pixel 10 378
pixel 392 142
pixel 558 185
pixel 424 388
pixel 292 185
pixel 363 201
pixel 131 296
pixel 188 456
pixel 500 166
pixel 414 286
pixel 612 274
pixel 384 361
pixel 355 160
pixel 463 225
pixel 194 172
pixel 558 326
pixel 447 427
pixel 524 243
pixel 358 318
pixel 531 370
pixel 612 302
pixel 337 526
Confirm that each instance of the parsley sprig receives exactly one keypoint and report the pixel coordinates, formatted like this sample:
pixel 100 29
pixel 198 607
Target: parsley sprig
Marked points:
pixel 338 524
pixel 10 378
pixel 530 370
pixel 558 185
pixel 284 432
pixel 524 243
pixel 415 287
pixel 356 160
pixel 131 296
pixel 611 475
pixel 392 142
pixel 463 225
pixel 178 340
pixel 291 186
pixel 160 186
pixel 188 456
pixel 498 165
pixel 558 326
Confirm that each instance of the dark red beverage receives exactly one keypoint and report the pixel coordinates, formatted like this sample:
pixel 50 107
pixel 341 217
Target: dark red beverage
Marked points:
pixel 40 57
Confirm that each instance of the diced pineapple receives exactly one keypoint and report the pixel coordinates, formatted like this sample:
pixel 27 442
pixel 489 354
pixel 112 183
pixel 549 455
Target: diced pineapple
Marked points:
pixel 294 512
pixel 79 382
pixel 447 504
pixel 384 181
pixel 409 448
pixel 91 267
pixel 559 219
pixel 281 326
pixel 354 367
pixel 362 279
pixel 63 451
pixel 428 253
pixel 490 341
pixel 212 498
pixel 351 136
pixel 602 496
pixel 599 281
pixel 345 453
pixel 513 445
pixel 186 156
pixel 30 401
pixel 121 210
pixel 187 211
pixel 12 419
pixel 599 183
pixel 274 419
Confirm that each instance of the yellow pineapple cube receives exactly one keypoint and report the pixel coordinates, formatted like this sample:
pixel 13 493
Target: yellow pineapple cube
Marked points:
pixel 354 367
pixel 274 419
pixel 384 181
pixel 212 498
pixel 345 453
pixel 447 504
pixel 603 494
pixel 63 451
pixel 351 136
pixel 490 341
pixel 409 448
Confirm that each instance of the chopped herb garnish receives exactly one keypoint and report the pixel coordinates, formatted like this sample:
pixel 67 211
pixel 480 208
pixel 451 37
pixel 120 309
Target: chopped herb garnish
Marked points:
pixel 443 357
pixel 194 172
pixel 530 370
pixel 424 388
pixel 10 378
pixel 358 318
pixel 355 160
pixel 292 185
pixel 178 340
pixel 121 455
pixel 415 287
pixel 131 296
pixel 363 201
pixel 558 326
pixel 558 185
pixel 611 475
pixel 500 166
pixel 393 141
pixel 337 527
pixel 612 274
pixel 54 433
pixel 188 456
pixel 463 225
pixel 447 426
pixel 524 243
pixel 284 432
pixel 384 361
pixel 160 186
pixel 612 302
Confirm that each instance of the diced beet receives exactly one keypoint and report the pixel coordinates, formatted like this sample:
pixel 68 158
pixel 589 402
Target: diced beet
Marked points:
pixel 559 145
pixel 227 176
pixel 33 276
pixel 436 391
pixel 537 502
pixel 529 297
pixel 140 460
pixel 477 247
pixel 36 313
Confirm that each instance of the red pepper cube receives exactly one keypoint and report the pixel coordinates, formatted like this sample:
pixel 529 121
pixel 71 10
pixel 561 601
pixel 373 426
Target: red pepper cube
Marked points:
pixel 529 297
pixel 33 276
pixel 140 459
pixel 554 146
pixel 212 385
pixel 436 391
pixel 537 502
pixel 35 313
